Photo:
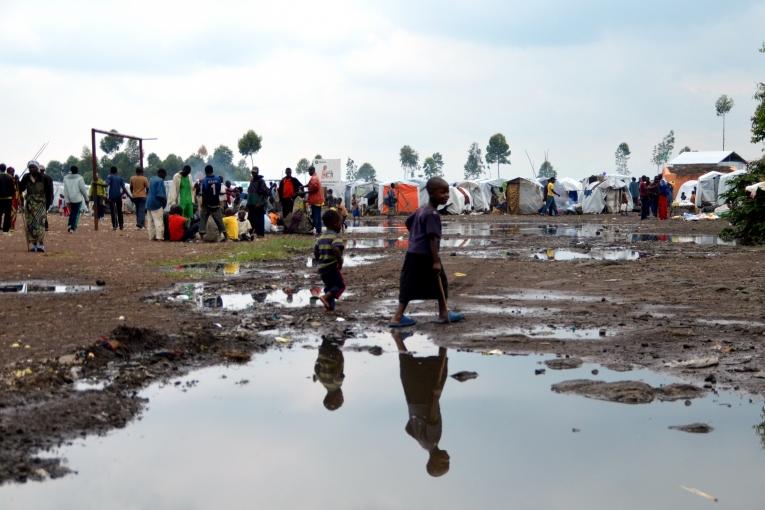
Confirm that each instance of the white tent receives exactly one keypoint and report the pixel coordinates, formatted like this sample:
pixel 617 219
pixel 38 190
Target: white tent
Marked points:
pixel 570 190
pixel 480 196
pixel 456 204
pixel 607 195
pixel 724 184
pixel 687 187
pixel 706 190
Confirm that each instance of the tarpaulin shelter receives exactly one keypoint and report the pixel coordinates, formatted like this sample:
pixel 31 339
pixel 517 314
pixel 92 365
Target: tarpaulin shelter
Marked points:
pixel 570 190
pixel 456 204
pixel 609 195
pixel 706 190
pixel 407 195
pixel 687 188
pixel 480 196
pixel 524 196
pixel 724 184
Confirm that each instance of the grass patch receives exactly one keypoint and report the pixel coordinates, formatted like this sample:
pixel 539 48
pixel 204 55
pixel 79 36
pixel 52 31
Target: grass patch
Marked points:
pixel 269 248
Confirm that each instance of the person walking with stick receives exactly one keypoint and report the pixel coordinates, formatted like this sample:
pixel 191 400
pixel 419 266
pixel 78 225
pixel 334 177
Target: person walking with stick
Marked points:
pixel 38 198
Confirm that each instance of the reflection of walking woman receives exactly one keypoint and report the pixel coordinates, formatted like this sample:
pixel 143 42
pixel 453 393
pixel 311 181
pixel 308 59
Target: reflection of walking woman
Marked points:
pixel 39 196
pixel 423 379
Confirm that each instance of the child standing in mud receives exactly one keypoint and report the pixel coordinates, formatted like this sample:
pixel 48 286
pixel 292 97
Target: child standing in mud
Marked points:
pixel 328 251
pixel 423 276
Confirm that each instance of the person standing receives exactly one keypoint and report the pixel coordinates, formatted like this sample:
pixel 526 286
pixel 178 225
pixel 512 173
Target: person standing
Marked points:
pixel 7 191
pixel 653 196
pixel 156 201
pixel 257 197
pixel 139 187
pixel 289 188
pixel 210 188
pixel 16 201
pixel 665 199
pixel 552 208
pixel 115 185
pixel 48 181
pixel 391 200
pixel 315 199
pixel 37 199
pixel 634 188
pixel 645 200
pixel 181 192
pixel 98 195
pixel 75 193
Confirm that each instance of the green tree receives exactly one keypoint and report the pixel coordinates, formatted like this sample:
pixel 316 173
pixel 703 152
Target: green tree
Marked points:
pixel 110 143
pixel 663 150
pixel 56 170
pixel 86 162
pixel 622 157
pixel 197 164
pixel 498 151
pixel 249 145
pixel 685 149
pixel 172 164
pixel 222 160
pixel 409 160
pixel 302 166
pixel 746 215
pixel 367 172
pixel 433 165
pixel 241 171
pixel 318 156
pixel 133 152
pixel 723 105
pixel 153 163
pixel 546 170
pixel 474 164
pixel 351 170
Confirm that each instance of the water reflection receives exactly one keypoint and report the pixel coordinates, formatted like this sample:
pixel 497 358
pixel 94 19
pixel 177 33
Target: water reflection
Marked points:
pixel 329 370
pixel 423 379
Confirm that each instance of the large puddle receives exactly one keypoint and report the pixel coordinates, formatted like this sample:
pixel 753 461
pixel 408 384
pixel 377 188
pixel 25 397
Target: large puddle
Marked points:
pixel 342 429
pixel 44 287
pixel 564 255
pixel 617 233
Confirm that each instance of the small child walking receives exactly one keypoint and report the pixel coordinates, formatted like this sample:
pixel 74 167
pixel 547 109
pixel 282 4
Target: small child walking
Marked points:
pixel 423 276
pixel 328 251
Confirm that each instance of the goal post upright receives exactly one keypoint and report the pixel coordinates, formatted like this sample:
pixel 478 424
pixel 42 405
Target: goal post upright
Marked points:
pixel 94 158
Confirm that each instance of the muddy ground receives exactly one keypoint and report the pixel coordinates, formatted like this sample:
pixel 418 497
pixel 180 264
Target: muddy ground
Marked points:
pixel 680 303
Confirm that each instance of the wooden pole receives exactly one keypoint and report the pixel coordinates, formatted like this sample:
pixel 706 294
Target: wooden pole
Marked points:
pixel 95 176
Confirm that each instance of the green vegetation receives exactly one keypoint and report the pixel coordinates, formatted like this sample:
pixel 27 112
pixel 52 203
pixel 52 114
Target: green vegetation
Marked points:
pixel 270 248
pixel 498 151
pixel 747 214
pixel 474 164
pixel 409 160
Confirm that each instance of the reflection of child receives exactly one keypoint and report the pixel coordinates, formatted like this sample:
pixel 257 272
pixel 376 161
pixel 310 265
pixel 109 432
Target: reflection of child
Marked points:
pixel 329 252
pixel 328 370
pixel 231 224
pixel 423 379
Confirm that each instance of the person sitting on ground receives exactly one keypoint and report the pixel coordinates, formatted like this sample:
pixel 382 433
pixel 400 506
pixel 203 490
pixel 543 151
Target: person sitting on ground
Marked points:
pixel 180 228
pixel 243 224
pixel 423 276
pixel 329 253
pixel 231 225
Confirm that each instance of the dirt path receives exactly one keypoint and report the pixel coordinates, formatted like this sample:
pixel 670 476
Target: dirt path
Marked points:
pixel 681 300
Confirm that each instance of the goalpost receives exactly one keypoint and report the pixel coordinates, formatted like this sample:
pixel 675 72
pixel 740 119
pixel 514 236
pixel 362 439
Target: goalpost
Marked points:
pixel 93 132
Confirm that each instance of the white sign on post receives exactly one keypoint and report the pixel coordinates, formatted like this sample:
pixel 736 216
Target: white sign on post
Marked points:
pixel 330 175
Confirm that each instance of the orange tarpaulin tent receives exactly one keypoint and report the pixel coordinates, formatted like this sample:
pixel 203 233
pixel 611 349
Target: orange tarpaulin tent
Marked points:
pixel 408 196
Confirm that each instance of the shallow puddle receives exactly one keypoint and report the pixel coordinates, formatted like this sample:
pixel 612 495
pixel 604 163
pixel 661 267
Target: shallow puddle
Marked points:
pixel 616 234
pixel 565 255
pixel 237 301
pixel 43 287
pixel 701 239
pixel 226 268
pixel 402 243
pixel 336 429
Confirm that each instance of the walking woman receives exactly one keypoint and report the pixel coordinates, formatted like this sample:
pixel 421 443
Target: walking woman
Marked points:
pixel 257 196
pixel 38 198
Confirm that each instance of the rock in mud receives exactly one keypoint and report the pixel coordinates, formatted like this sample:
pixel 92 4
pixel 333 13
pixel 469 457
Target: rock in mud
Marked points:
pixel 563 363
pixel 624 392
pixel 693 428
pixel 464 376
pixel 679 391
pixel 237 356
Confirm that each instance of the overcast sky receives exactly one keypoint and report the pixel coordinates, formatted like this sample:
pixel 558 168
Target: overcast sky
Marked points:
pixel 361 79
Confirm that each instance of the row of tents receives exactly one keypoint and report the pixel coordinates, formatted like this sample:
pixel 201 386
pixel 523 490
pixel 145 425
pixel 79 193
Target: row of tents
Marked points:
pixel 520 195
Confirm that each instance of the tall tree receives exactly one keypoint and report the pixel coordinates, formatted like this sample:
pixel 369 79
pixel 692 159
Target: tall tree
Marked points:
pixel 222 160
pixel 622 157
pixel 351 170
pixel 249 145
pixel 723 105
pixel 110 143
pixel 367 172
pixel 663 150
pixel 432 166
pixel 409 160
pixel 302 166
pixel 546 170
pixel 758 119
pixel 498 151
pixel 474 164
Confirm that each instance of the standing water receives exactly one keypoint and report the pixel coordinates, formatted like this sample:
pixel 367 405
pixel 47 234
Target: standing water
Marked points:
pixel 325 428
